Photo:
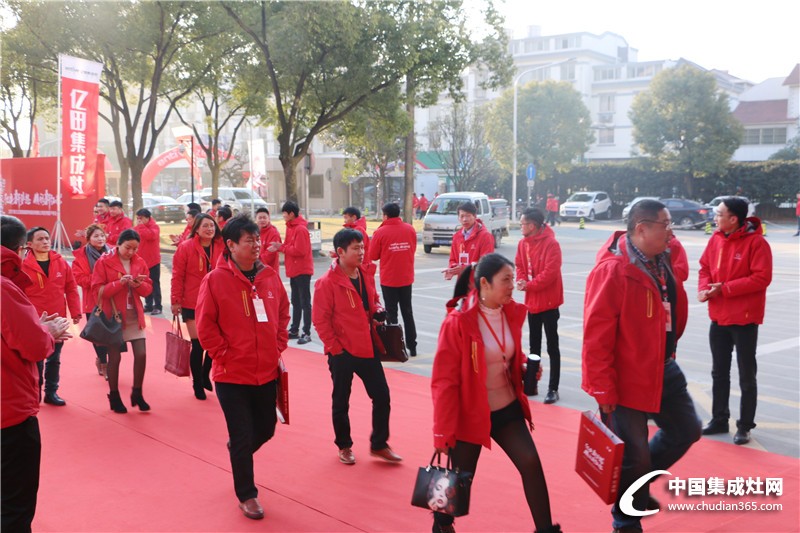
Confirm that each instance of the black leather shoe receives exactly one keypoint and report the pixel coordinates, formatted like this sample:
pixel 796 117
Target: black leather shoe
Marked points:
pixel 148 309
pixel 741 437
pixel 715 428
pixel 54 399
pixel 156 311
pixel 294 335
pixel 252 509
pixel 552 396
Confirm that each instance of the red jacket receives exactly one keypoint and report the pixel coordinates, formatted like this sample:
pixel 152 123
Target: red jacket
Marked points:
pixel 298 259
pixel 107 272
pixel 423 204
pixel 150 246
pixel 394 244
pixel 360 225
pixel 479 243
pixel 115 226
pixel 23 342
pixel 184 234
pixel 338 312
pixel 415 202
pixel 551 204
pixel 678 258
pixel 48 293
pixel 624 331
pixel 271 259
pixel 458 384
pixel 742 261
pixel 243 350
pixel 538 262
pixel 83 277
pixel 189 266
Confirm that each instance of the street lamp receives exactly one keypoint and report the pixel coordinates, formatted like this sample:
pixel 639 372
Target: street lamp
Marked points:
pixel 514 163
pixel 182 150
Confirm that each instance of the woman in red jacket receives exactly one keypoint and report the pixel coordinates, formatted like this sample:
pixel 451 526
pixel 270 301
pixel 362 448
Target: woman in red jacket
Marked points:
pixel 242 315
pixel 124 277
pixel 477 384
pixel 193 260
pixel 82 267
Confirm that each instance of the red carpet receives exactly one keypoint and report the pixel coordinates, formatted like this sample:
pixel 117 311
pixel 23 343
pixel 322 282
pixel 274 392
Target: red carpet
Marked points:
pixel 168 470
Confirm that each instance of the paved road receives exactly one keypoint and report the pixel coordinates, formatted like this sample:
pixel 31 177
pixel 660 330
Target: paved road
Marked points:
pixel 778 415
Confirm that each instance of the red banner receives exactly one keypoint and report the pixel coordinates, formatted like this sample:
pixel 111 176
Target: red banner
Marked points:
pixel 80 90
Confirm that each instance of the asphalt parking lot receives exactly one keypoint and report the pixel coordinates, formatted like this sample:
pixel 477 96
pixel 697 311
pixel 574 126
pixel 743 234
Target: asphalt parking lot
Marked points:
pixel 778 415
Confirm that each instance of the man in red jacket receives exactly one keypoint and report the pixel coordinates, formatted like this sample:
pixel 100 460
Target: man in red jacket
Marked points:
pixel 551 206
pixel 52 291
pixel 635 311
pixel 354 220
pixel 268 233
pixel 538 265
pixel 150 251
pixel 422 206
pixel 24 341
pixel 345 305
pixel 394 244
pixel 470 243
pixel 299 264
pixel 735 271
pixel 117 222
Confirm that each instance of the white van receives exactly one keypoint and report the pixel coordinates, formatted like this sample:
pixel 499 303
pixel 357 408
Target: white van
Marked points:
pixel 441 221
pixel 238 198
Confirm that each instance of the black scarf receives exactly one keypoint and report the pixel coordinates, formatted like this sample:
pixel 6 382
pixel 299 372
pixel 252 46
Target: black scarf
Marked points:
pixel 93 254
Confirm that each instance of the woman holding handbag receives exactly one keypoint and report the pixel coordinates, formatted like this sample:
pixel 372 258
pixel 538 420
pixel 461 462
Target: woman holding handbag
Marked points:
pixel 82 267
pixel 477 384
pixel 193 260
pixel 124 279
pixel 242 316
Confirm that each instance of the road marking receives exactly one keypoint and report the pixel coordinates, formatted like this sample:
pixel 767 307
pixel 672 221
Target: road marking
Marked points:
pixel 778 346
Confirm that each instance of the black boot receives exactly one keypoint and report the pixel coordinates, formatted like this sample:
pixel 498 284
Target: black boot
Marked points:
pixel 207 373
pixel 199 391
pixel 137 399
pixel 116 402
pixel 555 528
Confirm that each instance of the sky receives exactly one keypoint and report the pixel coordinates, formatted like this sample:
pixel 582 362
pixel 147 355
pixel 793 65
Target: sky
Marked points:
pixel 753 40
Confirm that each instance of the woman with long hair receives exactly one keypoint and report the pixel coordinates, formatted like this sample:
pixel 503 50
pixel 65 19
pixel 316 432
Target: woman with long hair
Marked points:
pixel 477 384
pixel 82 267
pixel 125 278
pixel 193 260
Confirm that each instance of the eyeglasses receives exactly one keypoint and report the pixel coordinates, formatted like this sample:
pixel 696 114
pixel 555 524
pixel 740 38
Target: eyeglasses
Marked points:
pixel 665 223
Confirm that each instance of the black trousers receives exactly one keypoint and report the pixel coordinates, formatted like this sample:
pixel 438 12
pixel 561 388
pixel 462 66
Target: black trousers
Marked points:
pixel 154 298
pixel 548 319
pixel 250 416
pixel 510 431
pixel 50 370
pixel 392 296
pixel 21 457
pixel 722 340
pixel 301 303
pixel 342 368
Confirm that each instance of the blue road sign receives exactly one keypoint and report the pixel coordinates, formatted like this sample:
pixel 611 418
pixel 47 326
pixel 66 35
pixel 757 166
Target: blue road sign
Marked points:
pixel 531 172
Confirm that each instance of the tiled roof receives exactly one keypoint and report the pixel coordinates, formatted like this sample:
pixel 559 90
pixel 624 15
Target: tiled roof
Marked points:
pixel 762 112
pixel 794 77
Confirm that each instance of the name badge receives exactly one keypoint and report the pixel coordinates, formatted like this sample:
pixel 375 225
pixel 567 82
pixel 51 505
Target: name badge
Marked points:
pixel 463 259
pixel 668 312
pixel 261 310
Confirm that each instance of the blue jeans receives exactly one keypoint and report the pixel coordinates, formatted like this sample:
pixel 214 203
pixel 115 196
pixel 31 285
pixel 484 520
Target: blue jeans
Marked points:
pixel 50 371
pixel 678 426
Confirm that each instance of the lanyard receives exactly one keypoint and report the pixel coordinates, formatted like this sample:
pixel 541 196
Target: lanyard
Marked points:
pixel 502 345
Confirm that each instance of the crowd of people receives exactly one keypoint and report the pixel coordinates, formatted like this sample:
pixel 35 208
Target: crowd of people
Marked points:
pixel 226 287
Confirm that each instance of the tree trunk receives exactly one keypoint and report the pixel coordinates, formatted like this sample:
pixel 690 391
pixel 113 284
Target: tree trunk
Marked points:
pixel 410 156
pixel 137 168
pixel 688 185
pixel 290 179
pixel 215 179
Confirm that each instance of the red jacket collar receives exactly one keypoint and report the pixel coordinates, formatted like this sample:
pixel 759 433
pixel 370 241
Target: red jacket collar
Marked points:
pixel 225 263
pixel 394 221
pixel 11 267
pixel 298 221
pixel 31 262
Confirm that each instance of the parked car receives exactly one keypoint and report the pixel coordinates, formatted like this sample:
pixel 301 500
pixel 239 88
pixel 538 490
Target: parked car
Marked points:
pixel 712 205
pixel 686 214
pixel 627 209
pixel 164 208
pixel 587 204
pixel 441 221
pixel 238 198
pixel 500 211
pixel 203 199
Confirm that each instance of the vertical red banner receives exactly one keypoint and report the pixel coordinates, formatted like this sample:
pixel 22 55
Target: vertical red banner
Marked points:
pixel 80 94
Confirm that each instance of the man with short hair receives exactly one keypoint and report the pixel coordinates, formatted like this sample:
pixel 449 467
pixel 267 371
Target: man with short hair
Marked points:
pixel 298 261
pixel 345 306
pixel 224 214
pixel 268 234
pixel 117 222
pixel 394 244
pixel 190 214
pixel 735 271
pixel 101 211
pixel 422 206
pixel 551 206
pixel 150 251
pixel 216 203
pixel 353 220
pixel 635 311
pixel 470 243
pixel 538 265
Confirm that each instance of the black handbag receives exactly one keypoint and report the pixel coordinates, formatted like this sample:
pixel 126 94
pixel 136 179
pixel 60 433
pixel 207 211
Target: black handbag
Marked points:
pixel 391 336
pixel 442 489
pixel 102 330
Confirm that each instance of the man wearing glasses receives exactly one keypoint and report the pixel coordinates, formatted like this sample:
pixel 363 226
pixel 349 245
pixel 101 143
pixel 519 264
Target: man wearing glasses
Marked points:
pixel 635 312
pixel 735 271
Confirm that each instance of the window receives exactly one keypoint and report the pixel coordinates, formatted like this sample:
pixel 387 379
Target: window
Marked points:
pixel 606 136
pixel 607 103
pixel 241 195
pixel 567 42
pixel 606 73
pixel 568 71
pixel 764 136
pixel 485 206
pixel 643 71
pixel 316 188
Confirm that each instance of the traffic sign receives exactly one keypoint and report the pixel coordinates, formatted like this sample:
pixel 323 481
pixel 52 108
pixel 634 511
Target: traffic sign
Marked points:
pixel 531 172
